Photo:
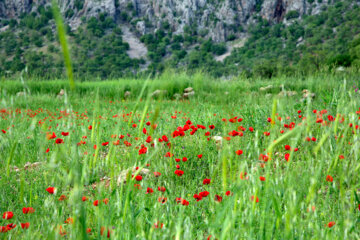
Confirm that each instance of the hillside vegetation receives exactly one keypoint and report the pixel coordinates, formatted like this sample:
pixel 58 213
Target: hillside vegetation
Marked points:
pixel 297 45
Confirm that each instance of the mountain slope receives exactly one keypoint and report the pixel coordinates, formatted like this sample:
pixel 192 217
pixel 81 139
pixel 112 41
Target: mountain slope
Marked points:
pixel 186 34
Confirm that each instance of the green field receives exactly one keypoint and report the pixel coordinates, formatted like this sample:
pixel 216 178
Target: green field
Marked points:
pixel 299 158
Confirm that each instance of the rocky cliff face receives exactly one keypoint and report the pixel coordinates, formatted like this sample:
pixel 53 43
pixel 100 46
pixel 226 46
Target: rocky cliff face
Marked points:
pixel 217 19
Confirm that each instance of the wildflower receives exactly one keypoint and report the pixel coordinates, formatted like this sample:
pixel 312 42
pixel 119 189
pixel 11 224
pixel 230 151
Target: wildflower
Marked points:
pixel 218 198
pixel 25 225
pixel 162 200
pixel 70 220
pixel 262 178
pixel 287 156
pixel 198 197
pixel 206 181
pixel 184 202
pixel 228 193
pixel 62 198
pixel 27 210
pixel 329 178
pixel 243 175
pixel 158 225
pixel 59 141
pixel 179 172
pixel 8 215
pixel 204 194
pixel 65 134
pixel 84 198
pixel 252 199
pixel 96 203
pixel 50 190
pixel 138 178
pixel 149 190
pixel 331 224
pixel 239 152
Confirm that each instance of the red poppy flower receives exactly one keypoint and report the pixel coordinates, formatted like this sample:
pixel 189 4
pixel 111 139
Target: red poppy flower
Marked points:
pixel 105 143
pixel 157 174
pixel 149 190
pixel 206 181
pixel 200 156
pixel 239 152
pixel 25 225
pixel 50 190
pixel 341 157
pixel 243 175
pixel 287 156
pixel 47 150
pixel 262 178
pixel 179 172
pixel 287 147
pixel 204 194
pixel 252 199
pixel 62 198
pixel 162 200
pixel 96 203
pixel 184 202
pixel 218 198
pixel 184 159
pixel 105 201
pixel 134 125
pixel 331 224
pixel 198 197
pixel 251 129
pixel 59 141
pixel 50 136
pixel 27 210
pixel 161 189
pixel 148 123
pixel 90 127
pixel 138 178
pixel 70 220
pixel 228 193
pixel 8 215
pixel 211 127
pixel 84 198
pixel 65 134
pixel 3 131
pixel 158 225
pixel 329 178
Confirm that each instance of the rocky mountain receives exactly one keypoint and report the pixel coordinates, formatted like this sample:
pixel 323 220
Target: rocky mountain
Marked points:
pixel 217 19
pixel 115 38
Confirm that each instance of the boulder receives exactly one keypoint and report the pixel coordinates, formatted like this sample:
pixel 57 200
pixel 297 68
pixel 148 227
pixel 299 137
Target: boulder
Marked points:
pixel 264 89
pixel 123 174
pixel 188 90
pixel 20 94
pixel 127 94
pixel 177 96
pixel 158 93
pixel 61 93
pixel 188 95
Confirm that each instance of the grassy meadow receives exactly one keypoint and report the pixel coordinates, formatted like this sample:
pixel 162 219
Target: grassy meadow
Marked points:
pixel 231 162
